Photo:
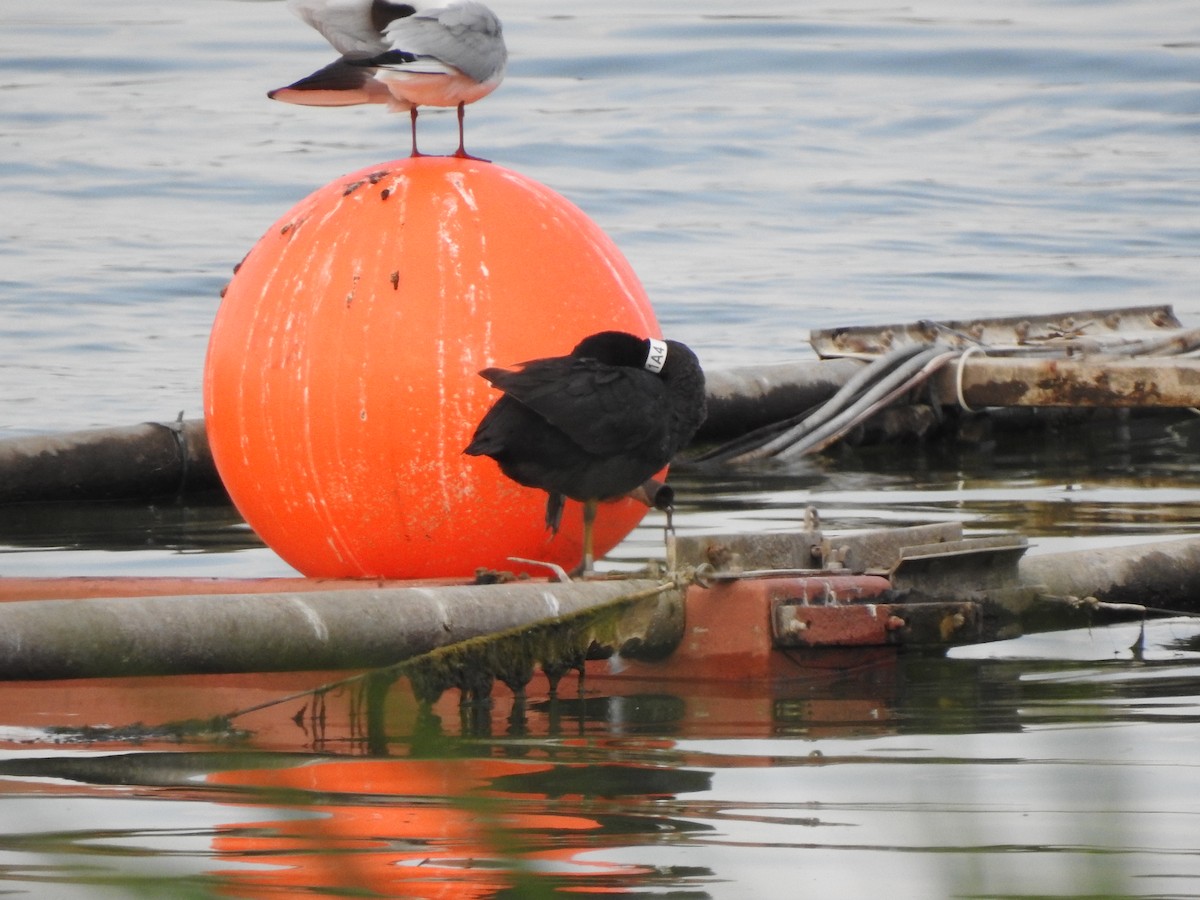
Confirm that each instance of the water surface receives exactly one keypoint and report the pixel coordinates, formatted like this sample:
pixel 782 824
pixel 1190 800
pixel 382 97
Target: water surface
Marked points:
pixel 768 170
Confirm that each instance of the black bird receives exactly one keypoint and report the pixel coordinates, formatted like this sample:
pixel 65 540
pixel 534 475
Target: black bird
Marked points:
pixel 594 425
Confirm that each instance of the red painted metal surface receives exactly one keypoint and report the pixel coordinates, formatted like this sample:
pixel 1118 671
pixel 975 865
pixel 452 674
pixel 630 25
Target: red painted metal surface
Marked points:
pixel 861 624
pixel 729 630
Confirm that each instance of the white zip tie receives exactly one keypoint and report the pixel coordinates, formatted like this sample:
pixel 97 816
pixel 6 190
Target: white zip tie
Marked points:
pixel 958 380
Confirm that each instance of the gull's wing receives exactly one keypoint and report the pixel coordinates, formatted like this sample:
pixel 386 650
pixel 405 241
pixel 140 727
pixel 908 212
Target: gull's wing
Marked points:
pixel 338 84
pixel 464 36
pixel 355 28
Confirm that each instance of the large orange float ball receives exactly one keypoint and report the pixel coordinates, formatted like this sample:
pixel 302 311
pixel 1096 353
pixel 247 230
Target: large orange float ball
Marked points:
pixel 341 382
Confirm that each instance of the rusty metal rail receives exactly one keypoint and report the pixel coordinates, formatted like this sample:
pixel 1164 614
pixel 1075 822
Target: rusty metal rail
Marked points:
pixel 1136 357
pixel 1124 330
pixel 1094 381
pixel 1129 357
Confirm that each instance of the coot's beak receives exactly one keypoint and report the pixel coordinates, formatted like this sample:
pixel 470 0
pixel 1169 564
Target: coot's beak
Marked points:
pixel 654 493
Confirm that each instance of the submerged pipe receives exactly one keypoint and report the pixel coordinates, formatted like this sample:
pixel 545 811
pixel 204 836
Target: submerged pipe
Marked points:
pixel 1161 382
pixel 317 630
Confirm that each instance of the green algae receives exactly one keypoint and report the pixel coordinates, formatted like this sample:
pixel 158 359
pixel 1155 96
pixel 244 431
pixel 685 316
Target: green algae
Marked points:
pixel 557 646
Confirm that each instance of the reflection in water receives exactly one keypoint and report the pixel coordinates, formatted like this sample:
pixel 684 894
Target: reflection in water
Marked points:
pixel 205 523
pixel 465 827
pixel 1004 770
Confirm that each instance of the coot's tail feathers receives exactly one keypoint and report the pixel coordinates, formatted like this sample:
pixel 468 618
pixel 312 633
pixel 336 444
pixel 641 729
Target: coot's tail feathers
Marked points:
pixel 481 445
pixel 554 511
pixel 489 437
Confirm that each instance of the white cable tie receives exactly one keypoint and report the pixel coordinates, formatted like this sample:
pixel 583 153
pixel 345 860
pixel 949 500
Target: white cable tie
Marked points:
pixel 958 380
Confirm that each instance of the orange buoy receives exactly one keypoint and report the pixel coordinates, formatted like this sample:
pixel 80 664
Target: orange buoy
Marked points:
pixel 341 383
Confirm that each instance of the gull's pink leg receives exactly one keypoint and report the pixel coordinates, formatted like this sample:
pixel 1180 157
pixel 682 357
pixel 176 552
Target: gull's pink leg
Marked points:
pixel 461 152
pixel 412 115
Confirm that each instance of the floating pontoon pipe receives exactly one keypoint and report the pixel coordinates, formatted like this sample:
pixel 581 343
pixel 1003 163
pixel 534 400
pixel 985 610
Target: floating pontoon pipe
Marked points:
pixel 166 459
pixel 745 398
pixel 58 639
pixel 1164 574
pixel 140 461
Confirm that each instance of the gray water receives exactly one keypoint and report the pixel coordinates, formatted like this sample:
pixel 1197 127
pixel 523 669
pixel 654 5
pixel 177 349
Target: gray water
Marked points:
pixel 768 170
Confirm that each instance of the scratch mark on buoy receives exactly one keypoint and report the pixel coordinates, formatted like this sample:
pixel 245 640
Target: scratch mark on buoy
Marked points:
pixel 468 196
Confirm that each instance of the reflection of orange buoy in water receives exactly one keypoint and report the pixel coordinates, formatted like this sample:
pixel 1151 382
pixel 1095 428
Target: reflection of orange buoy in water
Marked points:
pixel 341 380
pixel 422 833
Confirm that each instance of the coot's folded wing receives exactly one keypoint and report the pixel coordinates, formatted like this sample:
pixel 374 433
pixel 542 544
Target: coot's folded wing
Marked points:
pixel 604 409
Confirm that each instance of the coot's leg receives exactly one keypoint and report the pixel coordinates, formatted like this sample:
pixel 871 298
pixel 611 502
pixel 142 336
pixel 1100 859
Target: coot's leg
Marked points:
pixel 589 519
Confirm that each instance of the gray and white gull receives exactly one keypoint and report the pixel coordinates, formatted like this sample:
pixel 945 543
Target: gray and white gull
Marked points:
pixel 403 55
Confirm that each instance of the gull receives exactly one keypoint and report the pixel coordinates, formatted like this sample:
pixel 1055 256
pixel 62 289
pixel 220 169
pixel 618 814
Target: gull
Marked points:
pixel 403 55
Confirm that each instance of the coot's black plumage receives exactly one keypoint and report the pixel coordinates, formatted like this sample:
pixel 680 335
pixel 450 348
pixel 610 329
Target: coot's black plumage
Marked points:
pixel 594 425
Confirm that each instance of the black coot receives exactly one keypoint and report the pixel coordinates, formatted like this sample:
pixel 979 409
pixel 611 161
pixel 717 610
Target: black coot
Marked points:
pixel 594 425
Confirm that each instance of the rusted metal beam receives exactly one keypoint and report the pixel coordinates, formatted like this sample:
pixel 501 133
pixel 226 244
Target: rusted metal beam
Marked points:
pixel 856 551
pixel 1085 382
pixel 1034 332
